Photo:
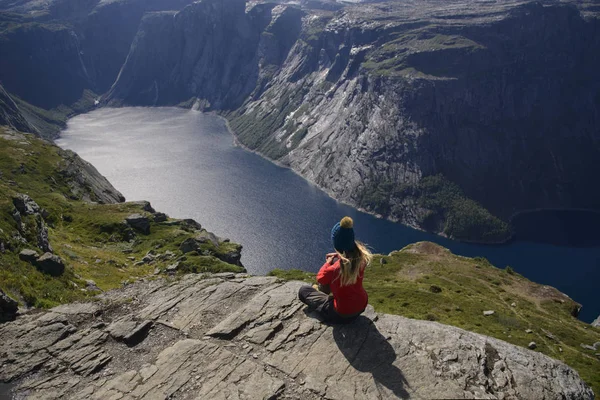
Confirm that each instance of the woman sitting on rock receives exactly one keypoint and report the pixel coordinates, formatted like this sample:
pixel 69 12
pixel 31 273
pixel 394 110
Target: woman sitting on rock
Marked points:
pixel 342 276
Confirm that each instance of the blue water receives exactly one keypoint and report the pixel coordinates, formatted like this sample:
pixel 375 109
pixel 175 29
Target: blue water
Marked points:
pixel 184 162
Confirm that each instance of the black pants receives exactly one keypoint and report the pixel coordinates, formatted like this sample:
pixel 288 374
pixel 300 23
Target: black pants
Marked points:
pixel 323 304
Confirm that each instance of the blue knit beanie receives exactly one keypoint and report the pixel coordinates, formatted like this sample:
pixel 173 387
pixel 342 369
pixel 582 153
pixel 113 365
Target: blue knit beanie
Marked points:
pixel 342 235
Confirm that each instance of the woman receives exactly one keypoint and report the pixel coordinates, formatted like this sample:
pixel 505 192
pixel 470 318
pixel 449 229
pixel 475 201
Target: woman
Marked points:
pixel 342 276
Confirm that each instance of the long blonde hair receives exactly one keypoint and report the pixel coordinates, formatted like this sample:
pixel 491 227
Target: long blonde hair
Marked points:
pixel 353 262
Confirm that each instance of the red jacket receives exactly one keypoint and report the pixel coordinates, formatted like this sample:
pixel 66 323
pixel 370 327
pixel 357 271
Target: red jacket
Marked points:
pixel 350 299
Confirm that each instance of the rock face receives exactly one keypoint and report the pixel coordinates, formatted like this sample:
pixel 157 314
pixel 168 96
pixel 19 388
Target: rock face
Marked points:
pixel 8 308
pixel 596 322
pixel 86 182
pixel 230 336
pixel 139 222
pixel 50 264
pixel 367 101
pixel 11 115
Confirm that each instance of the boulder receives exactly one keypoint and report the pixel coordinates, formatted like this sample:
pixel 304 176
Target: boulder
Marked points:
pixel 532 345
pixel 144 205
pixel 91 286
pixel 160 217
pixel 189 245
pixel 139 222
pixel 206 237
pixel 596 322
pixel 25 205
pixel 489 312
pixel 42 236
pixel 190 223
pixel 232 257
pixel 29 256
pixel 50 264
pixel 8 308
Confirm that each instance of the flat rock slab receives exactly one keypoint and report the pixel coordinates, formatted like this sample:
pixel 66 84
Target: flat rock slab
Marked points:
pixel 226 337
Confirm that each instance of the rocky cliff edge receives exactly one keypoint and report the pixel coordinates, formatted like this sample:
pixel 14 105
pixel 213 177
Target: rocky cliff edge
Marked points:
pixel 230 336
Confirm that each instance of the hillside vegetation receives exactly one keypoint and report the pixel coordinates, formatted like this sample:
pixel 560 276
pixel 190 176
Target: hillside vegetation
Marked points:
pixel 91 238
pixel 426 281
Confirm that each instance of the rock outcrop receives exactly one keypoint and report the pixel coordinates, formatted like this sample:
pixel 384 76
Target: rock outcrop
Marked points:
pixel 11 115
pixel 8 308
pixel 85 181
pixel 233 336
pixel 596 322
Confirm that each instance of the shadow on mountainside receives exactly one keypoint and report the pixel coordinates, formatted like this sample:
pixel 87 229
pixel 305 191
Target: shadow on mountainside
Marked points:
pixel 367 350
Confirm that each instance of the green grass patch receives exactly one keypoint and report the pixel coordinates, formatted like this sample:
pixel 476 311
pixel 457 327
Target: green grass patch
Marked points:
pixel 425 281
pixel 91 238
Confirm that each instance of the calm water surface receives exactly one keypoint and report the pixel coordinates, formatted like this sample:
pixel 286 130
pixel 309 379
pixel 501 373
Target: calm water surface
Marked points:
pixel 184 162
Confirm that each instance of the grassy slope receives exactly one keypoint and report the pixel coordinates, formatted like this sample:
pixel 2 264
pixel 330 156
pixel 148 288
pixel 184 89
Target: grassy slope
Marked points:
pixel 407 284
pixel 91 238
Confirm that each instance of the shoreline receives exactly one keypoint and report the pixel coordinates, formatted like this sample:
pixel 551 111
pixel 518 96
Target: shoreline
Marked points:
pixel 237 143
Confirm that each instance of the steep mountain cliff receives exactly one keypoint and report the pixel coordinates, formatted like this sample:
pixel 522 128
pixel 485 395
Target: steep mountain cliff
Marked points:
pixel 10 114
pixel 426 113
pixel 447 116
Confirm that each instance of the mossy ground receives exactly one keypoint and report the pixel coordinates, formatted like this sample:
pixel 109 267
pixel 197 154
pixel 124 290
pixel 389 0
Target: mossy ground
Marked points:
pixel 91 238
pixel 426 281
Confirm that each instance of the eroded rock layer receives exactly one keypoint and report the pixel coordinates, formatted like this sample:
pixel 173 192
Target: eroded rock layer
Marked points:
pixel 231 336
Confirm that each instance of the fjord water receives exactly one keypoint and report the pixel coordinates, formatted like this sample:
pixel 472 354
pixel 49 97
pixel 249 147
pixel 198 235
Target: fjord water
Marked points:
pixel 185 163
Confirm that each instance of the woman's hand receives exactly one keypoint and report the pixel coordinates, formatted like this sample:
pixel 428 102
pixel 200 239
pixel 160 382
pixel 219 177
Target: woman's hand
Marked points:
pixel 330 258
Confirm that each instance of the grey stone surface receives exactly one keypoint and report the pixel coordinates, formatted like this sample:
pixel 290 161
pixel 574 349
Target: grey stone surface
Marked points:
pixel 160 217
pixel 29 256
pixel 50 264
pixel 25 205
pixel 249 338
pixel 86 182
pixel 596 322
pixel 139 222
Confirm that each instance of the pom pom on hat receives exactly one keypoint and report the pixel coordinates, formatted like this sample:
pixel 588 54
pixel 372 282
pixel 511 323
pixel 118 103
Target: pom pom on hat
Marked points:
pixel 347 223
pixel 342 235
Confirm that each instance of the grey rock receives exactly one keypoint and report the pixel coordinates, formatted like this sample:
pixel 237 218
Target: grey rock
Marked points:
pixel 85 181
pixel 28 255
pixel 532 345
pixel 139 222
pixel 192 224
pixel 160 217
pixel 489 312
pixel 129 331
pixel 189 245
pixel 91 286
pixel 42 236
pixel 25 205
pixel 232 257
pixel 11 115
pixel 50 264
pixel 8 307
pixel 173 267
pixel 291 355
pixel 587 347
pixel 596 322
pixel 528 331
pixel 207 237
pixel 597 345
pixel 144 206
pixel 148 258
